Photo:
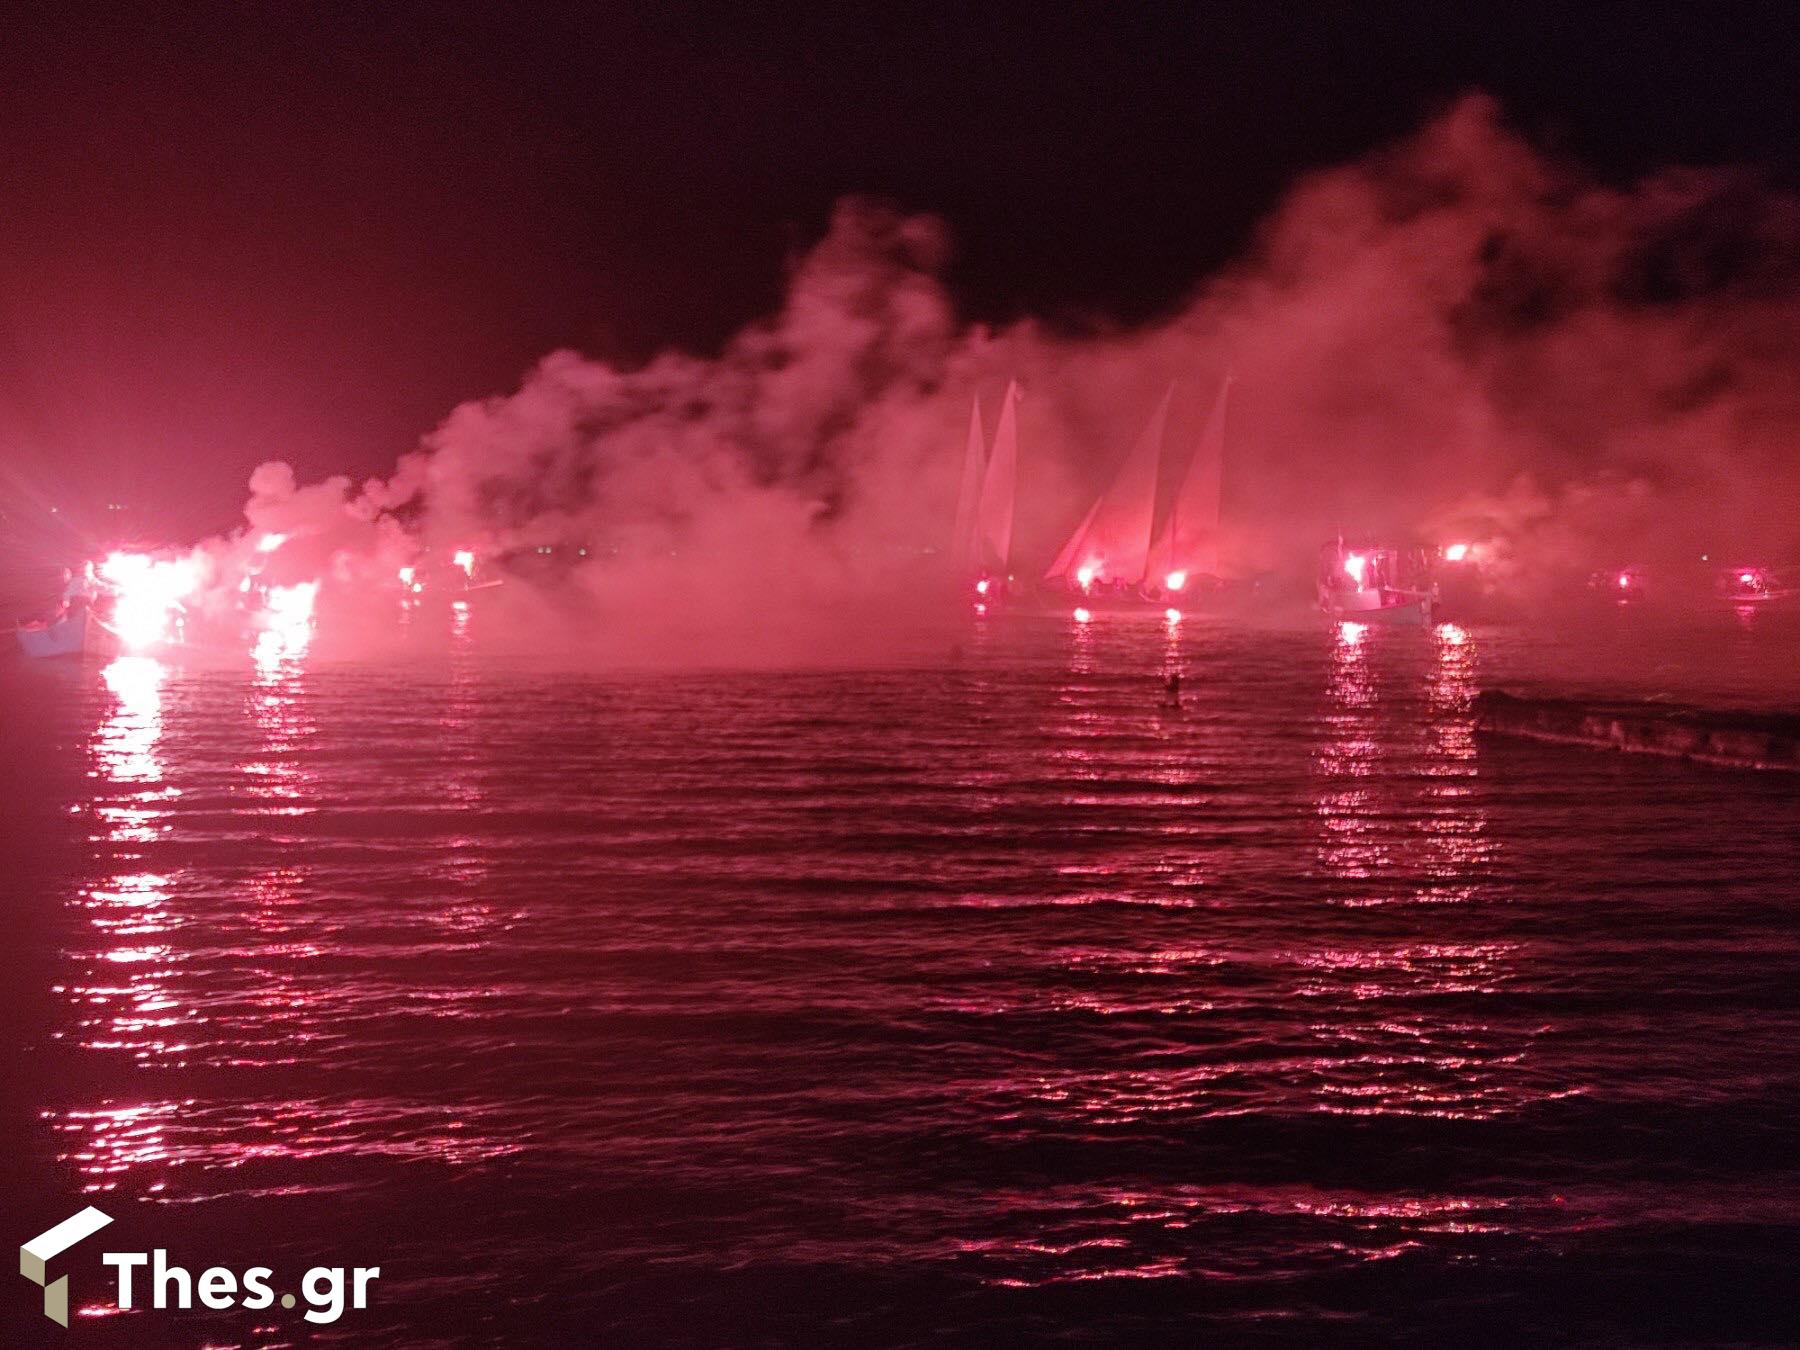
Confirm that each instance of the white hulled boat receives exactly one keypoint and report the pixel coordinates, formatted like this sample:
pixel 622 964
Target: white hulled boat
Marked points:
pixel 1375 583
pixel 77 633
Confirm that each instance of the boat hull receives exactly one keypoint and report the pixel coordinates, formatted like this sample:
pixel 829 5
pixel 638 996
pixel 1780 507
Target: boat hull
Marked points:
pixel 1412 613
pixel 75 635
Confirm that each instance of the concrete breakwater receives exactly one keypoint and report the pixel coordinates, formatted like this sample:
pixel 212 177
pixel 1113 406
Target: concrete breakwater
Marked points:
pixel 1742 740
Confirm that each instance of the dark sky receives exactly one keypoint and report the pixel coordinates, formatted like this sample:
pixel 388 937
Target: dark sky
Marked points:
pixel 306 231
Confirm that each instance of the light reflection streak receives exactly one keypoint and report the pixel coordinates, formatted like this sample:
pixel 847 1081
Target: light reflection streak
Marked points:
pixel 1347 761
pixel 1084 1233
pixel 278 707
pixel 462 866
pixel 120 989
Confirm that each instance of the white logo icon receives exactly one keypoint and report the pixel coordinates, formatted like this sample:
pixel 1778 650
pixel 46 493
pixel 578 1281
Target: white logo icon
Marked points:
pixel 51 1243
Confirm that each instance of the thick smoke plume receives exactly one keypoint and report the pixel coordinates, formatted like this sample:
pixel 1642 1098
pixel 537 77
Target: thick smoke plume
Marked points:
pixel 1456 337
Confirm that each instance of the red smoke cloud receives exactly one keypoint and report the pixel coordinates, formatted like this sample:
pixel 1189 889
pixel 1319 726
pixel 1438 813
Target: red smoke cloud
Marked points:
pixel 1458 333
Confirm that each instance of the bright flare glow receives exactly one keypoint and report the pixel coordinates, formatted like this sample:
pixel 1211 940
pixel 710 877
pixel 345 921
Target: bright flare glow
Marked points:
pixel 1747 578
pixel 406 576
pixel 1172 615
pixel 1454 635
pixel 147 595
pixel 1456 552
pixel 465 560
pixel 286 623
pixel 1624 581
pixel 1355 566
pixel 270 542
pixel 1175 580
pixel 981 587
pixel 1082 616
pixel 1085 574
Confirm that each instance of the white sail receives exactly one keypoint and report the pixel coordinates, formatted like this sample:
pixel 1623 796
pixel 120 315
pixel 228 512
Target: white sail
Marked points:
pixel 1187 541
pixel 968 496
pixel 994 515
pixel 1112 543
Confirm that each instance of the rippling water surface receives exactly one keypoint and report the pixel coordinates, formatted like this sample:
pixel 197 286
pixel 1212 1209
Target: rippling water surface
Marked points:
pixel 978 1002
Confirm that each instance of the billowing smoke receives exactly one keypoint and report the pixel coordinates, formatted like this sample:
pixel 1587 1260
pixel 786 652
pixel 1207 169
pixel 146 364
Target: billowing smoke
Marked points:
pixel 1456 337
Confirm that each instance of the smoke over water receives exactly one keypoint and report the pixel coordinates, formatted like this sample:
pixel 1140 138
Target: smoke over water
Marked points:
pixel 1456 337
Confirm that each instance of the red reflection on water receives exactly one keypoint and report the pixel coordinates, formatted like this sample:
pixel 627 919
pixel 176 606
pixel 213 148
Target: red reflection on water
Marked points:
pixel 1454 824
pixel 1349 754
pixel 277 776
pixel 120 990
pixel 1085 1233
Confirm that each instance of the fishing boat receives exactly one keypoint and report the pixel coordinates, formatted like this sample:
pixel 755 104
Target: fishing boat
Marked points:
pixel 981 547
pixel 1375 583
pixel 75 634
pixel 1751 585
pixel 1150 541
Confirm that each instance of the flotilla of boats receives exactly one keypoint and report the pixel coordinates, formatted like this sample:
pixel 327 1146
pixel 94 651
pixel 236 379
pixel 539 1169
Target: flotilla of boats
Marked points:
pixel 1148 544
pixel 139 603
pixel 1151 544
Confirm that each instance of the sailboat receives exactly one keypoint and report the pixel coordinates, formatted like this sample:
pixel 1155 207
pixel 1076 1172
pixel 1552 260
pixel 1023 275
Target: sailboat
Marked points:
pixel 982 545
pixel 1151 540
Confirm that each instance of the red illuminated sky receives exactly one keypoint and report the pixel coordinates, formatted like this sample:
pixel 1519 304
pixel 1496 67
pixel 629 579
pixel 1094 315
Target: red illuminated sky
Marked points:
pixel 238 232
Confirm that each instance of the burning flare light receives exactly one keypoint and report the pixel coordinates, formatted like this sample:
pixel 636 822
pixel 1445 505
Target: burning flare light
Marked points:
pixel 147 595
pixel 1175 580
pixel 286 623
pixel 1355 566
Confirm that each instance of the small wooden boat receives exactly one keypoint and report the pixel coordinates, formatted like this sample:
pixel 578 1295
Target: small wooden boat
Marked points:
pixel 74 634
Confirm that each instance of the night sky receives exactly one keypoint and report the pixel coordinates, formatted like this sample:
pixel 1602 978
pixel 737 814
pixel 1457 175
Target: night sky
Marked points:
pixel 241 232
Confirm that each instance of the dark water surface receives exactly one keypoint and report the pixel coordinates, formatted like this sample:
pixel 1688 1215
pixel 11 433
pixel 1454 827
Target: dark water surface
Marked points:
pixel 981 1003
